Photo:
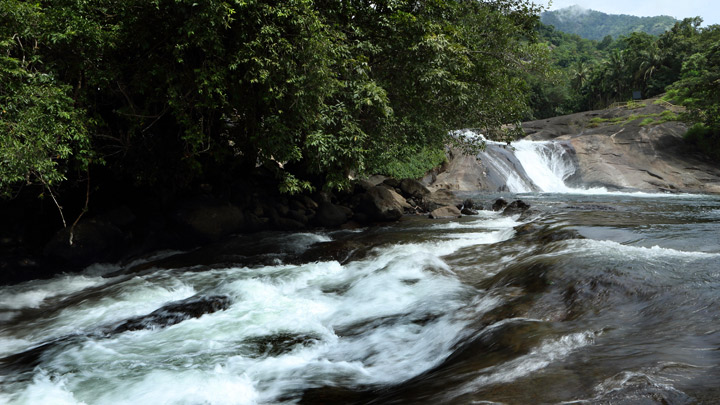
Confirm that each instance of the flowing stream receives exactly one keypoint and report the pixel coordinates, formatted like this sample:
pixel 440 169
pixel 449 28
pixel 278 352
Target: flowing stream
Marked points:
pixel 593 298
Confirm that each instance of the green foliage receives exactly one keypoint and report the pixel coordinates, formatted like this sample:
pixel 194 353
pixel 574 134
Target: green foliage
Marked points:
pixel 596 25
pixel 42 133
pixel 413 165
pixel 172 92
pixel 705 139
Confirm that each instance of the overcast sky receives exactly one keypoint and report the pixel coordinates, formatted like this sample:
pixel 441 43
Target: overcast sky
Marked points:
pixel 709 10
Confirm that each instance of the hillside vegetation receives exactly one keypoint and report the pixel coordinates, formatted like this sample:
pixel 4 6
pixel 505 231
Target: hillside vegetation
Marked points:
pixel 591 24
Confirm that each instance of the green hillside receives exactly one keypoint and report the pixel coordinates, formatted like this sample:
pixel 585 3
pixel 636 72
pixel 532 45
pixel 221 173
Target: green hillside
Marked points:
pixel 596 25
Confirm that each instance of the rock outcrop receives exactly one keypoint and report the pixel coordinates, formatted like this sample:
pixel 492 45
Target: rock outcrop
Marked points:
pixel 616 151
pixel 621 148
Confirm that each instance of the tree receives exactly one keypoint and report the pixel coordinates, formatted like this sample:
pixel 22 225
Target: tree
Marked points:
pixel 311 89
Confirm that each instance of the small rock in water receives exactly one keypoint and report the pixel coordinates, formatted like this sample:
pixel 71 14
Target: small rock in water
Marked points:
pixel 499 204
pixel 468 211
pixel 176 312
pixel 446 212
pixel 516 207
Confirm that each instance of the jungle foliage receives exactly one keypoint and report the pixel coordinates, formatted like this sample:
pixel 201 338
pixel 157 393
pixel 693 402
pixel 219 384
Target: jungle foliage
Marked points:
pixel 171 93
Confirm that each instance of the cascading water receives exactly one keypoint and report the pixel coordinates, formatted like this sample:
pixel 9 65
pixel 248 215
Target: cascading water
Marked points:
pixel 530 166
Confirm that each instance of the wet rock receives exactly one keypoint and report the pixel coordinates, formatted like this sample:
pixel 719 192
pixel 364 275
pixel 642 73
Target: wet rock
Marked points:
pixel 499 204
pixel 413 188
pixel 341 251
pixel 516 207
pixel 278 344
pixel 469 203
pixel 380 205
pixel 330 215
pixel 468 211
pixel 176 312
pixel 544 234
pixel 445 212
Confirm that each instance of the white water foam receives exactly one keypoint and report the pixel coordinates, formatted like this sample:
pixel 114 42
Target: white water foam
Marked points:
pixel 606 248
pixel 548 352
pixel 33 294
pixel 379 320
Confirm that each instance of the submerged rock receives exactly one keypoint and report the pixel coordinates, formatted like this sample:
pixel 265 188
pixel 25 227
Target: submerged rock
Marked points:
pixel 176 312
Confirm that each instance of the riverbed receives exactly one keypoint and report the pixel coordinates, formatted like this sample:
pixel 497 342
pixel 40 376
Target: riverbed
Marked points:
pixel 591 298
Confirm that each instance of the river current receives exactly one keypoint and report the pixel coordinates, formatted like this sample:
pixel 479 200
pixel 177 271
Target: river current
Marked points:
pixel 593 298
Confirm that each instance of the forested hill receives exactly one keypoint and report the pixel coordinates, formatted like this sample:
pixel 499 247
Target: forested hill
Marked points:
pixel 596 25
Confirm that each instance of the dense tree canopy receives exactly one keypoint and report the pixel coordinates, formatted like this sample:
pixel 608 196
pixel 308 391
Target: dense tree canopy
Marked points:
pixel 171 92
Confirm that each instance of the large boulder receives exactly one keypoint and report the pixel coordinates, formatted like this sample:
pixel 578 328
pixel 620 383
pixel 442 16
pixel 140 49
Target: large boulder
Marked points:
pixel 330 215
pixel 449 211
pixel 440 198
pixel 413 188
pixel 380 205
pixel 208 218
pixel 401 200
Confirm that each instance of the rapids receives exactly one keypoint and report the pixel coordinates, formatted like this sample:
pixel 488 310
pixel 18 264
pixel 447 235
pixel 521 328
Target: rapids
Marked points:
pixel 593 298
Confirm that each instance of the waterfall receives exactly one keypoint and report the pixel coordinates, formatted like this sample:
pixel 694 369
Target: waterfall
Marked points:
pixel 530 166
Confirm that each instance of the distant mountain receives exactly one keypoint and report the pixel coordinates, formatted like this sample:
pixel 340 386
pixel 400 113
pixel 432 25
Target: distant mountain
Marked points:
pixel 593 24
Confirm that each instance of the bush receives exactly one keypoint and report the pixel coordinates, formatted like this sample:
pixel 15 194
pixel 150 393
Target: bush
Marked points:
pixel 704 139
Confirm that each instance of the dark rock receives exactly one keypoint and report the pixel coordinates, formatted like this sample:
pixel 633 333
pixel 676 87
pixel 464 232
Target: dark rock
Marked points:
pixel 393 183
pixel 499 204
pixel 282 209
pixel 468 211
pixel 445 212
pixel 288 224
pixel 298 215
pixel 468 203
pixel 413 188
pixel 362 186
pixel 92 242
pixel 210 219
pixel 255 223
pixel 330 215
pixel 545 234
pixel 176 312
pixel 309 202
pixel 281 343
pixel 122 217
pixel 297 205
pixel 380 205
pixel 516 207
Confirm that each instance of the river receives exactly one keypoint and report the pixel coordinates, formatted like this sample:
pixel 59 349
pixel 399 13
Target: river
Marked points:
pixel 594 298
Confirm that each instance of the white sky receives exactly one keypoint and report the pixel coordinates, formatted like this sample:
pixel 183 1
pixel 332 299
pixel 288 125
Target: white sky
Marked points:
pixel 709 10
